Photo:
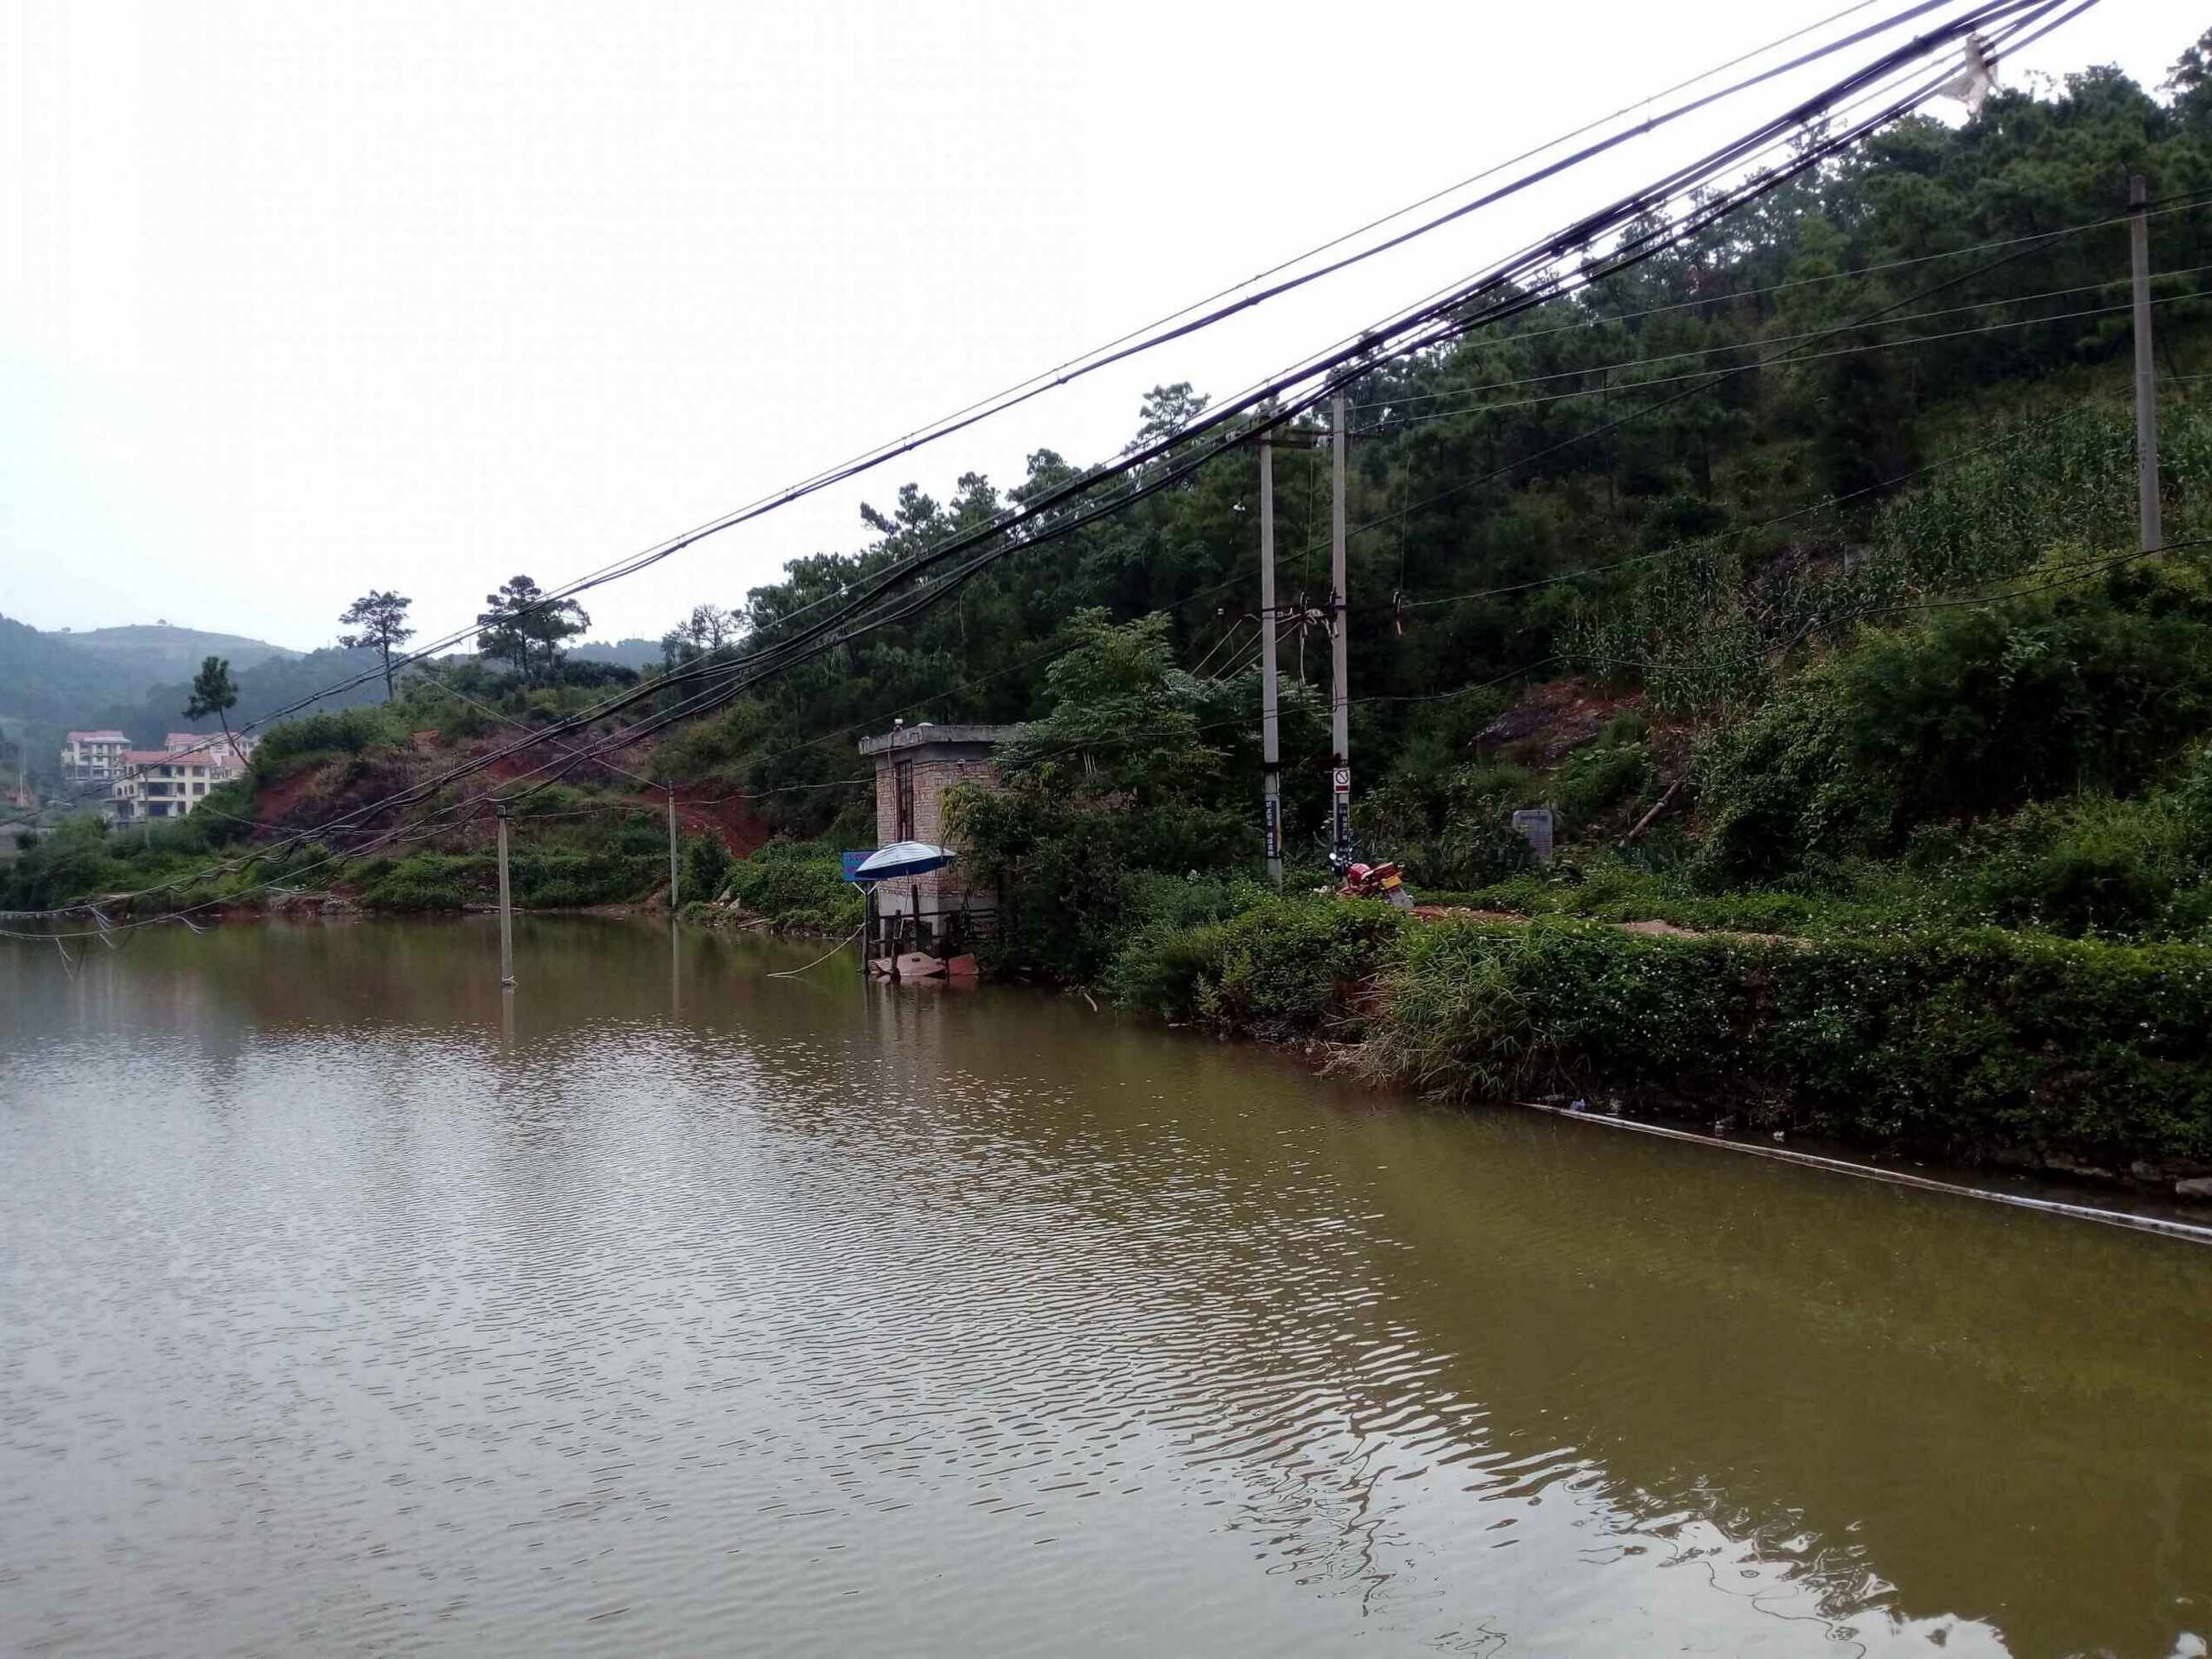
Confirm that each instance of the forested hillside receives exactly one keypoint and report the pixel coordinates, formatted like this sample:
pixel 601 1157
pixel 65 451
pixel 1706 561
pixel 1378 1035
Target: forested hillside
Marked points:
pixel 43 679
pixel 1991 266
pixel 277 682
pixel 50 682
pixel 149 654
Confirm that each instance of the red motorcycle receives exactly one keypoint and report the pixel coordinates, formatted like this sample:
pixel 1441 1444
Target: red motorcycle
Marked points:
pixel 1376 881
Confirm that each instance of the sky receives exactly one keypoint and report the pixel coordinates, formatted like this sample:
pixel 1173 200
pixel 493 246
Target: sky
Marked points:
pixel 301 299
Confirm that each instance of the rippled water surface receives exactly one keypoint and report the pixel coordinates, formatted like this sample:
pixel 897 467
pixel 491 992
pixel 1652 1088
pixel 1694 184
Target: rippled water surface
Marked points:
pixel 672 1309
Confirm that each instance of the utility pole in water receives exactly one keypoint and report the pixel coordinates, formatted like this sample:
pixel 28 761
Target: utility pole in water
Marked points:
pixel 671 852
pixel 1271 742
pixel 506 906
pixel 1339 706
pixel 2147 506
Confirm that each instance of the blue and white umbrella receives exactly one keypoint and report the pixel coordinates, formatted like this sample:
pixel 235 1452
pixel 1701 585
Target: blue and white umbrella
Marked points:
pixel 904 858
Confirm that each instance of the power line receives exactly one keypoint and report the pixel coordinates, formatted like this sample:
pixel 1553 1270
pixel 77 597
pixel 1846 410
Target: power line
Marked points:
pixel 1796 362
pixel 1601 319
pixel 1364 351
pixel 1388 424
pixel 781 655
pixel 768 662
pixel 1121 346
pixel 1716 376
pixel 1804 112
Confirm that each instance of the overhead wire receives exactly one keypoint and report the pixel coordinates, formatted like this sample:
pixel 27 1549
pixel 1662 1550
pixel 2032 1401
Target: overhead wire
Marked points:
pixel 1388 424
pixel 1716 377
pixel 2186 203
pixel 1368 345
pixel 1038 508
pixel 1628 386
pixel 785 653
pixel 620 568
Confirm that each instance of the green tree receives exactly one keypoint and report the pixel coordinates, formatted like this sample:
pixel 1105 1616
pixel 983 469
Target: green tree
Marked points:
pixel 518 620
pixel 708 631
pixel 379 620
pixel 1119 784
pixel 706 863
pixel 214 692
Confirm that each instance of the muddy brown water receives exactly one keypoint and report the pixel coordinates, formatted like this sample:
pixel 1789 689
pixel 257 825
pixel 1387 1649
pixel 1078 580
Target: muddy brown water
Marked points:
pixel 347 1307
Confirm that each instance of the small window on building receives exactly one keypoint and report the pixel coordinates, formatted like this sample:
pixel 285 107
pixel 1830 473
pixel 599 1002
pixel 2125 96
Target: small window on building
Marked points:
pixel 903 773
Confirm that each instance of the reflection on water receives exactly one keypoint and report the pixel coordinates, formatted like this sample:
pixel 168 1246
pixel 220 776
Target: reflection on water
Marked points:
pixel 662 1307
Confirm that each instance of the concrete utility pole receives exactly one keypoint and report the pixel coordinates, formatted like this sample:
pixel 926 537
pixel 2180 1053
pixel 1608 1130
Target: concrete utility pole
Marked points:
pixel 1271 741
pixel 671 850
pixel 2147 512
pixel 506 906
pixel 1339 705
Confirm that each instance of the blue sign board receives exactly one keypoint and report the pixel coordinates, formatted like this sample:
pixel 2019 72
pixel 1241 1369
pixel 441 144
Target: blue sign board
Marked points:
pixel 851 861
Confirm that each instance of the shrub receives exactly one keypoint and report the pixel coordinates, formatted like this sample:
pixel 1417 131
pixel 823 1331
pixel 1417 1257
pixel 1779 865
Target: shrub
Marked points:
pixel 1962 1044
pixel 570 878
pixel 793 885
pixel 346 731
pixel 1974 716
pixel 1462 1020
pixel 1598 781
pixel 1283 966
pixel 427 881
pixel 706 862
pixel 1456 831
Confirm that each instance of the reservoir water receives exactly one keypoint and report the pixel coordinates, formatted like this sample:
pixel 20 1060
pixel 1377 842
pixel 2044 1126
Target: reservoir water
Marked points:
pixel 348 1307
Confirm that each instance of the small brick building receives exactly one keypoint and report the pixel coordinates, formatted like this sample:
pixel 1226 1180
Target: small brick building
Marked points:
pixel 915 765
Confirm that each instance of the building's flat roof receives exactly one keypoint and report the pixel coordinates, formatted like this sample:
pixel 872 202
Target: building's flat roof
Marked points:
pixel 97 736
pixel 914 736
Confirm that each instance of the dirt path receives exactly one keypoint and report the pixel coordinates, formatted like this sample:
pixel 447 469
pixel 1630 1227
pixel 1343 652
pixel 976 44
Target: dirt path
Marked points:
pixel 1649 929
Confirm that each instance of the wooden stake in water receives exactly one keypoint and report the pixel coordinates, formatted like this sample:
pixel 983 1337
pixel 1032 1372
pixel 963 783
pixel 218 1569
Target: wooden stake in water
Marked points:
pixel 506 907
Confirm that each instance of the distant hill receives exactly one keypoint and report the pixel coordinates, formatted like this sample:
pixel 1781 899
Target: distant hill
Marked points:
pixel 150 652
pixel 44 679
pixel 136 678
pixel 630 654
pixel 273 683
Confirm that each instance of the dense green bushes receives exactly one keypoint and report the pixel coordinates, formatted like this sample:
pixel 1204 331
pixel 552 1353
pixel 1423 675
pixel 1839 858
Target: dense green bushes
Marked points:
pixel 355 732
pixel 1976 1044
pixel 85 857
pixel 1452 827
pixel 427 881
pixel 540 877
pixel 1978 714
pixel 794 884
pixel 1283 966
pixel 706 863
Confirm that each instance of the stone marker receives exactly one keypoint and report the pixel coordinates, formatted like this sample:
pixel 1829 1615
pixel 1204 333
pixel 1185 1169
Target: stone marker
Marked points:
pixel 1535 824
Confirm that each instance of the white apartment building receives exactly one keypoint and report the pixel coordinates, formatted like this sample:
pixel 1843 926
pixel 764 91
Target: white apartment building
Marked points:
pixel 164 783
pixel 90 757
